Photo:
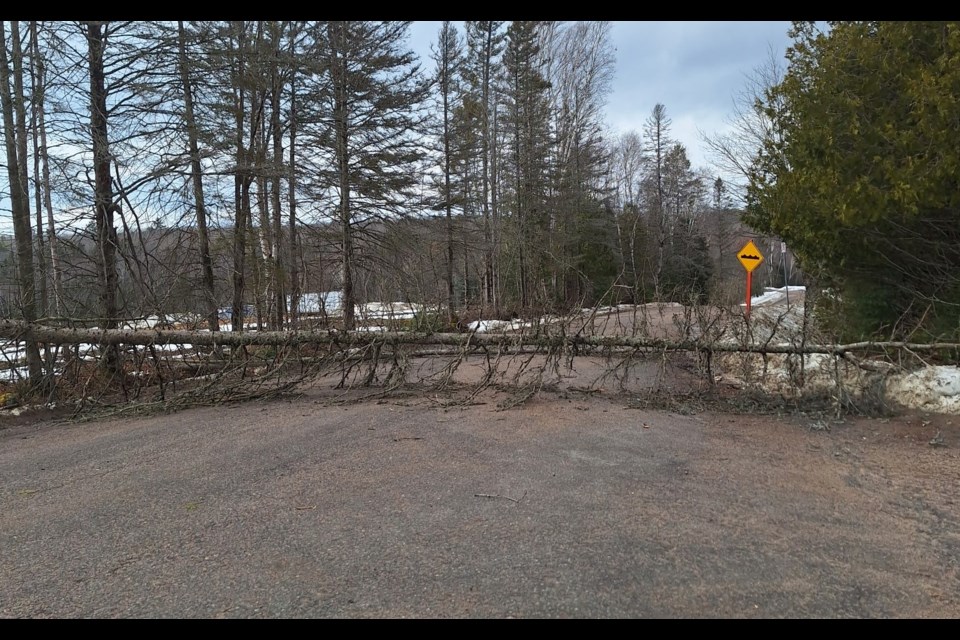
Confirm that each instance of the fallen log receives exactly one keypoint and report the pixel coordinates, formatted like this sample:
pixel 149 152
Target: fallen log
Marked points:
pixel 27 332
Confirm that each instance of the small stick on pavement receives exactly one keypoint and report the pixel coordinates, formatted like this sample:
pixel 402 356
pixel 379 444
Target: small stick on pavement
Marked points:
pixel 489 495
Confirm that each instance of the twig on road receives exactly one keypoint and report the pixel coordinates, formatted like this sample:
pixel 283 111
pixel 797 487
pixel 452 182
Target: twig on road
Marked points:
pixel 490 495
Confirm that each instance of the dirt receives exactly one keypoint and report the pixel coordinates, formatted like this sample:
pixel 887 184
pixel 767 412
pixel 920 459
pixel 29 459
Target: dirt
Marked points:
pixel 577 504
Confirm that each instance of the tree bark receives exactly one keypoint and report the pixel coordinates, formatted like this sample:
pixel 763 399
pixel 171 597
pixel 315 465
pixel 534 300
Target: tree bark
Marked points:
pixel 338 70
pixel 43 296
pixel 292 204
pixel 21 330
pixel 445 53
pixel 103 190
pixel 39 93
pixel 196 175
pixel 19 201
pixel 486 146
pixel 241 183
pixel 277 273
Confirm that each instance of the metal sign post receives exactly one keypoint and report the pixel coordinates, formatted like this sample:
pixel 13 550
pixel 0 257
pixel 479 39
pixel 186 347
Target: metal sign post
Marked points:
pixel 750 257
pixel 786 278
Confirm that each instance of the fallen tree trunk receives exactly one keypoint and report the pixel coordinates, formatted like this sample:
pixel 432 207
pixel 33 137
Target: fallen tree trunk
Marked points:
pixel 33 332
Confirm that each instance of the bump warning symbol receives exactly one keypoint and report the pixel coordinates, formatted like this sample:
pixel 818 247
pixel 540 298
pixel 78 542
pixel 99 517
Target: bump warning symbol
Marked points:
pixel 750 257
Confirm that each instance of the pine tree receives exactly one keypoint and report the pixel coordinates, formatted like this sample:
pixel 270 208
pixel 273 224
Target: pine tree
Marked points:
pixel 529 135
pixel 373 117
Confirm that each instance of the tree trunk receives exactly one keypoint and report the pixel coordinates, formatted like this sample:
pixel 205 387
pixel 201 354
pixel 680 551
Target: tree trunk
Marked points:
pixel 17 329
pixel 495 232
pixel 38 186
pixel 196 174
pixel 241 193
pixel 241 184
pixel 19 201
pixel 103 191
pixel 265 271
pixel 520 190
pixel 291 197
pixel 486 146
pixel 447 196
pixel 338 71
pixel 279 306
pixel 38 101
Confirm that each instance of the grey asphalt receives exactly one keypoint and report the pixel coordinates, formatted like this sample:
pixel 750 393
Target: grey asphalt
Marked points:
pixel 560 509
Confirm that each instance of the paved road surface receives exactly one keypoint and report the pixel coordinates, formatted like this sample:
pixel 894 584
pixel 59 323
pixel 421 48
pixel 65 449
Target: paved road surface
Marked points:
pixel 568 507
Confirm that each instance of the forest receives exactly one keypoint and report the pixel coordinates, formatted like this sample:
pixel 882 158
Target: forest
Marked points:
pixel 285 175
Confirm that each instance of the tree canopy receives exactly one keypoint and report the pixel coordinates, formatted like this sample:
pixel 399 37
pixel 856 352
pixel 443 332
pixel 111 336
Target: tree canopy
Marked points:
pixel 859 172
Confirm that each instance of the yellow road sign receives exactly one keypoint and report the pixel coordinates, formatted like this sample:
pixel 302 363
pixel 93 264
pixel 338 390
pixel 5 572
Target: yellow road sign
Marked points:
pixel 750 257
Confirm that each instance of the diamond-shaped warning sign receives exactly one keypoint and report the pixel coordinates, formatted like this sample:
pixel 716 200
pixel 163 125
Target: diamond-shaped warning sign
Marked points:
pixel 750 257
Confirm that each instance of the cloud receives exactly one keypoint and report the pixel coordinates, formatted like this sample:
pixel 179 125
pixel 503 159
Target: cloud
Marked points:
pixel 693 68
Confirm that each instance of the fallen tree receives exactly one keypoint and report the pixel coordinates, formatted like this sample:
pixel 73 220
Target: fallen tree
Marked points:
pixel 19 330
pixel 166 369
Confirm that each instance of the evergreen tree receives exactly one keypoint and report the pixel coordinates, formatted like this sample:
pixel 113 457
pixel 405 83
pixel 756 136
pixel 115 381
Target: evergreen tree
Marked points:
pixel 528 125
pixel 859 172
pixel 372 112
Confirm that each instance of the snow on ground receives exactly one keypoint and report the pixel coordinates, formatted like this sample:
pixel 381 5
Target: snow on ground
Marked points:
pixel 13 374
pixel 162 321
pixel 173 347
pixel 773 295
pixel 228 326
pixel 331 303
pixel 9 353
pixel 935 389
pixel 586 311
pixel 488 326
pixel 328 302
pixel 931 388
pixel 389 310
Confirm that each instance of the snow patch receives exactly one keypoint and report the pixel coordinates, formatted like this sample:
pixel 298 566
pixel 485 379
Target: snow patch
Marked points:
pixel 487 326
pixel 389 310
pixel 14 374
pixel 935 389
pixel 773 295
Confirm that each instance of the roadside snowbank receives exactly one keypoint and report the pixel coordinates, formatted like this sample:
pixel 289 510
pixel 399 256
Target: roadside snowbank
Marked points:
pixel 935 389
pixel 773 295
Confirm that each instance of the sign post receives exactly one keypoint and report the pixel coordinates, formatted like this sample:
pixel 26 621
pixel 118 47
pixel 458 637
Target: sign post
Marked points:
pixel 750 257
pixel 786 278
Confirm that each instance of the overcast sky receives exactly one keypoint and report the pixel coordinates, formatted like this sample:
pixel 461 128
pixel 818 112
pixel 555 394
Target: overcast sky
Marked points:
pixel 693 68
